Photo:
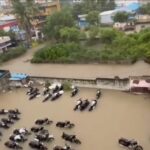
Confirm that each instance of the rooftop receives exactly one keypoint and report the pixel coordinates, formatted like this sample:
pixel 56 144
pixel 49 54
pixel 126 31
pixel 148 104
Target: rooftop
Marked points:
pixel 4 39
pixel 3 72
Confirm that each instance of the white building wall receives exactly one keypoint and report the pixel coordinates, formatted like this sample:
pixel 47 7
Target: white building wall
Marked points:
pixel 42 1
pixel 77 1
pixel 106 17
pixel 125 2
pixel 5 3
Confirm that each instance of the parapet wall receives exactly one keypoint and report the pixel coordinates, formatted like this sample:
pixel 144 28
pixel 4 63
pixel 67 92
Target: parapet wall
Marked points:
pixel 103 83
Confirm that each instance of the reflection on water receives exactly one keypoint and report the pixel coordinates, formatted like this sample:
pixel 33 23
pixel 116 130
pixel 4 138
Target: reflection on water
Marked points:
pixel 117 115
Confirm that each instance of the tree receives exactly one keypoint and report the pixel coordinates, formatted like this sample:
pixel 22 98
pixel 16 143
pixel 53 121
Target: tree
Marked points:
pixel 121 17
pixel 94 32
pixel 110 5
pixel 56 22
pixel 108 35
pixel 25 11
pixel 78 9
pixel 93 18
pixel 69 34
pixel 92 5
pixel 145 9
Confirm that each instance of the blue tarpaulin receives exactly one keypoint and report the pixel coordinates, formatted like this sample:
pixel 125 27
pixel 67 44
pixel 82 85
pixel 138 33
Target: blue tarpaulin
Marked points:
pixel 18 76
pixel 133 6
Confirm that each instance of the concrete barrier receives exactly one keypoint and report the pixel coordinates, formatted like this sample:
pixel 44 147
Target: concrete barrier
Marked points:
pixel 104 83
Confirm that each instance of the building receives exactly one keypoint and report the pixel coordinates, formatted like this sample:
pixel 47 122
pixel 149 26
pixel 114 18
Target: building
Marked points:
pixel 126 26
pixel 142 22
pixel 5 42
pixel 82 22
pixel 70 2
pixel 46 8
pixel 42 1
pixel 5 3
pixel 77 1
pixel 106 17
pixel 8 22
pixel 122 3
pixel 140 84
pixel 4 79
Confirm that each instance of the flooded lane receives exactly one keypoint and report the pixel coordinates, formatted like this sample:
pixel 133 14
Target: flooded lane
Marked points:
pixel 78 71
pixel 23 65
pixel 117 115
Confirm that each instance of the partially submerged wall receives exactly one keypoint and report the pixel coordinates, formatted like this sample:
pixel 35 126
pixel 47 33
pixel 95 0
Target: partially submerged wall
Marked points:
pixel 103 83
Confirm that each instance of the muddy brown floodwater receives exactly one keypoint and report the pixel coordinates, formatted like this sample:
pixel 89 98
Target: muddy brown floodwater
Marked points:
pixel 23 65
pixel 117 115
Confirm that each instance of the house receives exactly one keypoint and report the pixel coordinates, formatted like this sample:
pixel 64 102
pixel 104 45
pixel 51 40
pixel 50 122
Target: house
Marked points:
pixel 122 3
pixel 77 1
pixel 4 79
pixel 82 22
pixel 142 22
pixel 70 2
pixel 106 17
pixel 140 84
pixel 5 42
pixel 8 22
pixel 46 8
pixel 125 26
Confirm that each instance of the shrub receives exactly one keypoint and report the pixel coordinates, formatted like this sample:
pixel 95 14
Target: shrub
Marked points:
pixel 12 53
pixel 67 86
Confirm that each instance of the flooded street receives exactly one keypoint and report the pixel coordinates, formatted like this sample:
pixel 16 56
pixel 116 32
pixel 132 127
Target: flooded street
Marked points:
pixel 116 115
pixel 23 65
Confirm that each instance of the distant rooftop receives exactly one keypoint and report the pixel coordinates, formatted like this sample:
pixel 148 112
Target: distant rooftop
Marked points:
pixel 3 72
pixel 7 18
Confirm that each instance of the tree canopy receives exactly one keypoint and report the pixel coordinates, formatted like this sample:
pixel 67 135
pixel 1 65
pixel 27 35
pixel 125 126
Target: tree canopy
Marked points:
pixel 93 17
pixel 25 11
pixel 69 34
pixel 145 9
pixel 56 22
pixel 115 46
pixel 121 17
pixel 92 5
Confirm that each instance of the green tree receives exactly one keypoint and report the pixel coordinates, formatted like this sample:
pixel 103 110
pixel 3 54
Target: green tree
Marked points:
pixel 94 32
pixel 78 9
pixel 57 21
pixel 108 35
pixel 10 34
pixel 110 5
pixel 69 34
pixel 121 17
pixel 92 5
pixel 3 33
pixel 25 11
pixel 93 18
pixel 145 9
